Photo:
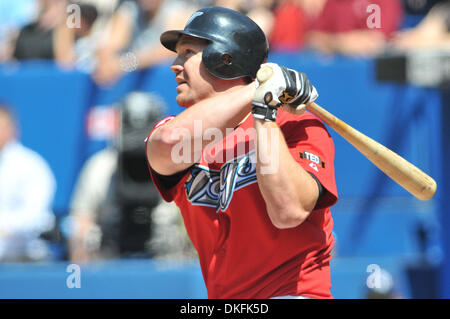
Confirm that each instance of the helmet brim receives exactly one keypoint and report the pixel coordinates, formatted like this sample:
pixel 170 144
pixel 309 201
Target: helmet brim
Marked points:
pixel 169 39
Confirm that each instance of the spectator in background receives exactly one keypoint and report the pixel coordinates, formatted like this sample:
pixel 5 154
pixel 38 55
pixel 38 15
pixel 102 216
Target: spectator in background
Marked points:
pixel 36 40
pixel 131 40
pixel 292 20
pixel 13 16
pixel 432 32
pixel 355 27
pixel 114 190
pixel 105 9
pixel 78 43
pixel 27 188
pixel 89 196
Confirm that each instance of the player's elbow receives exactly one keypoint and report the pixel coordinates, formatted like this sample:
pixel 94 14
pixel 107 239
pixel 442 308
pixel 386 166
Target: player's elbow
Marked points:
pixel 164 137
pixel 159 148
pixel 287 217
pixel 161 142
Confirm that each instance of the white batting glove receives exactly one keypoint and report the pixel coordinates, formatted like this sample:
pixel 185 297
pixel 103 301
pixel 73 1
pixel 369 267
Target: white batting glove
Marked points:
pixel 277 85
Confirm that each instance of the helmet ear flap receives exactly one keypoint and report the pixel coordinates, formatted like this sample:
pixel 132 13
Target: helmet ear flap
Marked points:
pixel 220 62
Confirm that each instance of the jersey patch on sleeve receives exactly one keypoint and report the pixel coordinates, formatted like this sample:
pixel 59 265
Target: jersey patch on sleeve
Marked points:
pixel 312 157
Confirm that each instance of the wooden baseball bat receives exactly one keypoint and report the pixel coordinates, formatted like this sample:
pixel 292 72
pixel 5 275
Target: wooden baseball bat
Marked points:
pixel 396 167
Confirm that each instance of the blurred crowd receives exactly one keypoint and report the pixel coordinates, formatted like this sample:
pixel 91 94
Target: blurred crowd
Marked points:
pixel 109 38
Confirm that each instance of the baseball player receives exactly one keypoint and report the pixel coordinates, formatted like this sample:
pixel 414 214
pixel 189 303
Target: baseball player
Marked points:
pixel 255 182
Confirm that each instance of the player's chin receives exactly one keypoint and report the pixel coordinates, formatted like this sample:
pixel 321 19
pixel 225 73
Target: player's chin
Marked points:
pixel 183 101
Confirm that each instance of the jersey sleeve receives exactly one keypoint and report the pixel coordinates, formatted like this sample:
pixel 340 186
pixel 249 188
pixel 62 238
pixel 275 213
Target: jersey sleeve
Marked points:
pixel 312 147
pixel 166 185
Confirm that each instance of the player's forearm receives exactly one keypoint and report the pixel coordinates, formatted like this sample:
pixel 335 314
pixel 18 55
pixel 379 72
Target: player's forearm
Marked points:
pixel 222 111
pixel 289 191
pixel 186 132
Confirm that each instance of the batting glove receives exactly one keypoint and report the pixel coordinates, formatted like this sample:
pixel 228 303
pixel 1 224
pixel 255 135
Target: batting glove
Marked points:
pixel 278 86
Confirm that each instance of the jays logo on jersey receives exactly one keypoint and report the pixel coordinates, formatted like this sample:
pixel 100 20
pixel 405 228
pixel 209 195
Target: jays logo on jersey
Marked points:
pixel 215 188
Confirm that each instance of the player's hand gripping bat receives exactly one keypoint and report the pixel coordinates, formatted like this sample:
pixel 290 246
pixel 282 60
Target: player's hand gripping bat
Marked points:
pixel 396 167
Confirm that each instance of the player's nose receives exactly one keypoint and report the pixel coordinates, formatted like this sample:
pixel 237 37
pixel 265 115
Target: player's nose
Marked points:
pixel 177 69
pixel 177 66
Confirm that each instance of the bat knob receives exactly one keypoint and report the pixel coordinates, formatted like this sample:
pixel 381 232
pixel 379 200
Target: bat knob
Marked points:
pixel 264 73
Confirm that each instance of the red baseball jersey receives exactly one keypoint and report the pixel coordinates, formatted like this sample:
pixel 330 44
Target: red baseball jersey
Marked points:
pixel 242 254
